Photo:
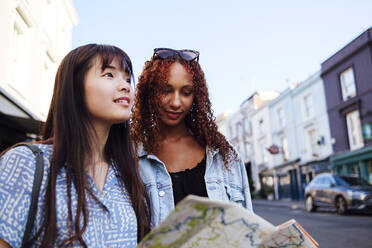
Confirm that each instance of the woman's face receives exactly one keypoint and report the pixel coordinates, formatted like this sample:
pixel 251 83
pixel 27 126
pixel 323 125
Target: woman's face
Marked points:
pixel 108 93
pixel 178 97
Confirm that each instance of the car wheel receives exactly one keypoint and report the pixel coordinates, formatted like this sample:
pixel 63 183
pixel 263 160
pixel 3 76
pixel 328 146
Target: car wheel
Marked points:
pixel 309 204
pixel 341 205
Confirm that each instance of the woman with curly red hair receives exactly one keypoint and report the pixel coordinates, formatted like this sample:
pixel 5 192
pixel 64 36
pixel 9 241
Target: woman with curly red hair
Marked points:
pixel 180 149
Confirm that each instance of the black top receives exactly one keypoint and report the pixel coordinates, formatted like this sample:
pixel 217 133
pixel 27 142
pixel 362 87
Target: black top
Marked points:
pixel 189 182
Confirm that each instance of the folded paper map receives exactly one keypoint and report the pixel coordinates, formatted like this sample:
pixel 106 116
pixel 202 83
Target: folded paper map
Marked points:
pixel 201 222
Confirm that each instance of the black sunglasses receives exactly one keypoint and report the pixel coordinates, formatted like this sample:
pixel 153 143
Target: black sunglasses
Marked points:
pixel 186 54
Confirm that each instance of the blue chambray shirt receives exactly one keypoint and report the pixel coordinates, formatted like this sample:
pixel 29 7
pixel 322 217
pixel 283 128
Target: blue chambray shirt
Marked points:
pixel 115 228
pixel 221 184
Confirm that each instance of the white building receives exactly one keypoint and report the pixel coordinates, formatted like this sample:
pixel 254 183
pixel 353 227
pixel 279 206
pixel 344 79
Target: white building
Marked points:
pixel 284 143
pixel 222 124
pixel 283 139
pixel 241 134
pixel 312 126
pixel 261 140
pixel 300 131
pixel 36 35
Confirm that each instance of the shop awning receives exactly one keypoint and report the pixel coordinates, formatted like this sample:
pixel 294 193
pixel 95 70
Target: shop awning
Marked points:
pixel 27 125
pixel 17 117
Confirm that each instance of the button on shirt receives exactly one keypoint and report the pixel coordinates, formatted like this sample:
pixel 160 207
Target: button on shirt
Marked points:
pixel 116 227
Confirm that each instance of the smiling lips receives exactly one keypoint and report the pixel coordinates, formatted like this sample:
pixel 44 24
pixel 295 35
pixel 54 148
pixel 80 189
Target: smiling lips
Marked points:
pixel 173 115
pixel 124 101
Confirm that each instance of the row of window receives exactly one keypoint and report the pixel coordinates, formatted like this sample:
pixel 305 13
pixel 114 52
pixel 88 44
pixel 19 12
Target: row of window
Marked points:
pixel 22 54
pixel 353 123
pixel 347 84
pixel 243 127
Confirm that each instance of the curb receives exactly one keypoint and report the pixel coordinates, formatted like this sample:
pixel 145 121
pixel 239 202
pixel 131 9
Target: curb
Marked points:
pixel 281 204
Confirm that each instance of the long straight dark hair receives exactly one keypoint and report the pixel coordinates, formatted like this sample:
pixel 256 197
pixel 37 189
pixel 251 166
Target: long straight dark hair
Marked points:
pixel 69 128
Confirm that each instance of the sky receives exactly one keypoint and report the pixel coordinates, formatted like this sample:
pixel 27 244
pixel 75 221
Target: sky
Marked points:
pixel 245 46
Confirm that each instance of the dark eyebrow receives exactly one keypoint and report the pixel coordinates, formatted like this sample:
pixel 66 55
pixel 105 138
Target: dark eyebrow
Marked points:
pixel 108 66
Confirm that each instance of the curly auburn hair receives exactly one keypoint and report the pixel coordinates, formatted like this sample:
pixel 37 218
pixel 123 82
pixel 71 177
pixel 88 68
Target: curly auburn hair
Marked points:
pixel 199 121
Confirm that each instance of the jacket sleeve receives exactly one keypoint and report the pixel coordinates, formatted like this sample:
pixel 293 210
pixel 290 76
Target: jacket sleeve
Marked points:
pixel 245 184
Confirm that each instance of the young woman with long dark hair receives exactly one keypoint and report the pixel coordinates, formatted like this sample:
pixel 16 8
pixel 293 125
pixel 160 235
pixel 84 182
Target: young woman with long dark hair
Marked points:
pixel 91 194
pixel 180 149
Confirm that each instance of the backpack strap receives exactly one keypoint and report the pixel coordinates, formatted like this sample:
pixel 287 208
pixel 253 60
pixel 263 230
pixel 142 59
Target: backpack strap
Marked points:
pixel 38 178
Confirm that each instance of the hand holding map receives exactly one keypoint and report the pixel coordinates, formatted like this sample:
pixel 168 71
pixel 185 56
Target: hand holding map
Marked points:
pixel 200 222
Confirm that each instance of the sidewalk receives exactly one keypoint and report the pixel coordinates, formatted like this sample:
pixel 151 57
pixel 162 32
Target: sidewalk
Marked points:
pixel 280 203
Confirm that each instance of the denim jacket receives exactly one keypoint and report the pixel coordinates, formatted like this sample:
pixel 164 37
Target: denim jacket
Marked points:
pixel 222 184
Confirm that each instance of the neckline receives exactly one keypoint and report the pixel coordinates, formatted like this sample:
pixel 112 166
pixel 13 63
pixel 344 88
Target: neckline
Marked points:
pixel 198 165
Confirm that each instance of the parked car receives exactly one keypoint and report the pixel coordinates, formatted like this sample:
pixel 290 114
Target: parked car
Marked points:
pixel 346 193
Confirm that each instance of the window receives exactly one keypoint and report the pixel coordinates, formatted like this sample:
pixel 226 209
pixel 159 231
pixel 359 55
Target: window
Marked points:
pixel 47 83
pixel 261 127
pixel 354 130
pixel 308 105
pixel 347 84
pixel 281 119
pixel 231 132
pixel 245 125
pixel 49 20
pixel 317 180
pixel 327 181
pixel 262 153
pixel 247 149
pixel 323 181
pixel 313 144
pixel 237 129
pixel 238 149
pixel 354 170
pixel 20 46
pixel 285 152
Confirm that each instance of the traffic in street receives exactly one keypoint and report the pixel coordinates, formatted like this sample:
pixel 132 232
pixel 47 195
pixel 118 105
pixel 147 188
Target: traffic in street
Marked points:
pixel 328 228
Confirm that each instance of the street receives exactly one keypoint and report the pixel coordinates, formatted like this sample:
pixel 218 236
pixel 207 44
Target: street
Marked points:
pixel 325 226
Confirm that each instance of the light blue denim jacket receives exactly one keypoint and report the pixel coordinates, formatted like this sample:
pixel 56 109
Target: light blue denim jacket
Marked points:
pixel 222 184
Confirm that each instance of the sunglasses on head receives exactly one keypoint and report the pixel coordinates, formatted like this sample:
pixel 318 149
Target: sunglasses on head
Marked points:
pixel 186 54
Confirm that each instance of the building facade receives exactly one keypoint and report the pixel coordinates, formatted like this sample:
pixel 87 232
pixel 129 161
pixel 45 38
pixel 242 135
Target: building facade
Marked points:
pixel 36 35
pixel 283 149
pixel 221 121
pixel 238 127
pixel 323 124
pixel 238 134
pixel 301 143
pixel 284 139
pixel 314 145
pixel 347 77
pixel 255 139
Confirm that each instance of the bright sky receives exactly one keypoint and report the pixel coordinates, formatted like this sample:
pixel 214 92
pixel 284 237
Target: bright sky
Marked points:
pixel 244 45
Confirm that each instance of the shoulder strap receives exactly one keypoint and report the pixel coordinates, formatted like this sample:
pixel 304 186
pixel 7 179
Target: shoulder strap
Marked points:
pixel 38 178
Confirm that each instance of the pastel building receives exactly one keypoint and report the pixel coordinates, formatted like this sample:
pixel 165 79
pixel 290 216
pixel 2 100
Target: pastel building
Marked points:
pixel 313 139
pixel 283 147
pixel 251 116
pixel 347 77
pixel 35 36
pixel 301 143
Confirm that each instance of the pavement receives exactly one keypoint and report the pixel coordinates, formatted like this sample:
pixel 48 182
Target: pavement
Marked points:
pixel 280 203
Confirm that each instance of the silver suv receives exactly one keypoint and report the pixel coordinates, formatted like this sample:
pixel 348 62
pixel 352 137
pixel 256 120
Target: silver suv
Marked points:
pixel 343 192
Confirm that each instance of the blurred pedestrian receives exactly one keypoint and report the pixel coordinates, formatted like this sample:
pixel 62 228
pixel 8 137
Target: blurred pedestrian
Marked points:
pixel 91 193
pixel 180 149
